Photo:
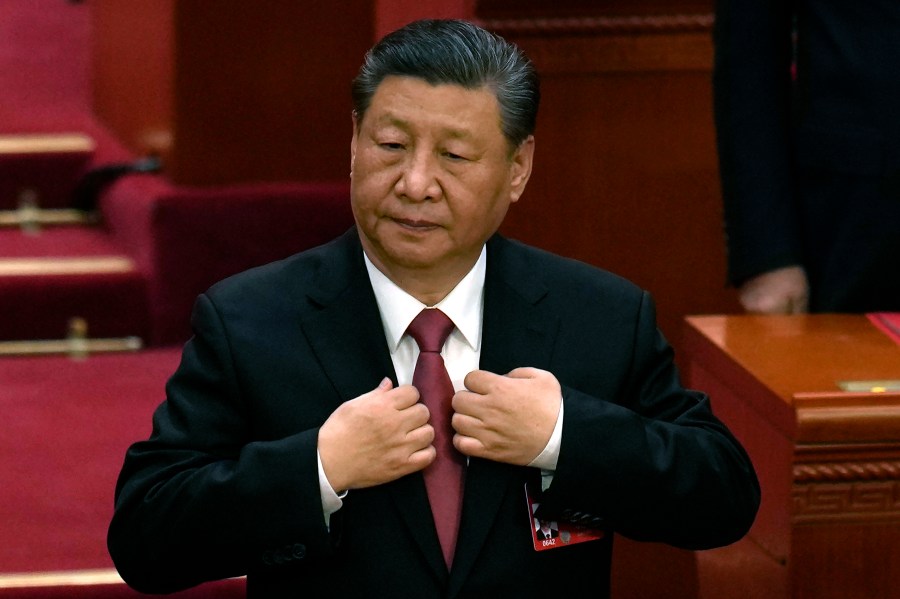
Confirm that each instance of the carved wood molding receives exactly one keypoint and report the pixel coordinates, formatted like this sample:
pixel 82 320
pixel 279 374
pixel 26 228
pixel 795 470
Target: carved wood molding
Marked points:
pixel 643 24
pixel 847 502
pixel 846 471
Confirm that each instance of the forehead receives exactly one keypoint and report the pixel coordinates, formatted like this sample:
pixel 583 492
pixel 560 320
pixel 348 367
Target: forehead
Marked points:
pixel 409 102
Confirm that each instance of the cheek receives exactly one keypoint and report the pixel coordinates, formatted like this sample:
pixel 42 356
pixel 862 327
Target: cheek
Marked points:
pixel 375 176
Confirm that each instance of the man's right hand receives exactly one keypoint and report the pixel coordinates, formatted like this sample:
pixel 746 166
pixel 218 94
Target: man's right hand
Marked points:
pixel 781 291
pixel 376 438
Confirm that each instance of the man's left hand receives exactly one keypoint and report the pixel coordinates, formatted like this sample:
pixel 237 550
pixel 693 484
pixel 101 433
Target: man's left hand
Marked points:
pixel 506 418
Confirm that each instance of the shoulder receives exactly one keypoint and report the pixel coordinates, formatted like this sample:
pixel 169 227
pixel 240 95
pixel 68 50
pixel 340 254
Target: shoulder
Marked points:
pixel 333 257
pixel 315 271
pixel 528 266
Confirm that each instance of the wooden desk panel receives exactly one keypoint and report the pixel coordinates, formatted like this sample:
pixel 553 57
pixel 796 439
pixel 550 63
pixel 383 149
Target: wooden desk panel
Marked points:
pixel 828 461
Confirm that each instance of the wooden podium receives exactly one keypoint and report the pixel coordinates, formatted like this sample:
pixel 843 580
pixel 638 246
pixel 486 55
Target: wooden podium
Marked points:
pixel 828 459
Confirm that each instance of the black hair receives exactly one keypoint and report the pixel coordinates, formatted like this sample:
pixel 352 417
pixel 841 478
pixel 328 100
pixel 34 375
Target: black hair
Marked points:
pixel 461 53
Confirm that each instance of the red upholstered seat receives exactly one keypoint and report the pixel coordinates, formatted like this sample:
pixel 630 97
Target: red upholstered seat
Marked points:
pixel 61 273
pixel 185 239
pixel 48 165
pixel 159 246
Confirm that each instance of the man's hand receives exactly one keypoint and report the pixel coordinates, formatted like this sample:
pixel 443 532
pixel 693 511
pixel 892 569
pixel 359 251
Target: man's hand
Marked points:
pixel 780 291
pixel 376 438
pixel 506 418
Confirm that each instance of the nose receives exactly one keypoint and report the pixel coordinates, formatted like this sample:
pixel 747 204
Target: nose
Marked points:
pixel 418 181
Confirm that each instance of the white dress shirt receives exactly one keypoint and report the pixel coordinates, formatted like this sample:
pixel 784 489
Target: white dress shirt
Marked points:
pixel 464 305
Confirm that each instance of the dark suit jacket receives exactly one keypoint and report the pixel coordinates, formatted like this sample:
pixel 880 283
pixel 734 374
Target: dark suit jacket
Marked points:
pixel 810 165
pixel 227 485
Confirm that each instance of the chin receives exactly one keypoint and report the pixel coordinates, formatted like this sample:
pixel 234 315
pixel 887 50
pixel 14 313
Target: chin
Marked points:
pixel 412 260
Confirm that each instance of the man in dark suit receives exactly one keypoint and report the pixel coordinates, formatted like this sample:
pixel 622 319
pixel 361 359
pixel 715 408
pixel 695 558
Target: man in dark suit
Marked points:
pixel 546 530
pixel 810 163
pixel 293 448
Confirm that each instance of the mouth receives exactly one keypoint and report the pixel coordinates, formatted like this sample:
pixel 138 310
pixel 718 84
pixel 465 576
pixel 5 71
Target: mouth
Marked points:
pixel 416 224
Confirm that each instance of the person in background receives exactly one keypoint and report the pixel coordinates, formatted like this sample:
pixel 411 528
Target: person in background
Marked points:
pixel 809 150
pixel 375 417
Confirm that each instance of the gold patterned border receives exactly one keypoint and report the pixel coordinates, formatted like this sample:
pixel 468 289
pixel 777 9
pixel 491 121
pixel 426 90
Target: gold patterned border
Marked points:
pixel 846 502
pixel 641 24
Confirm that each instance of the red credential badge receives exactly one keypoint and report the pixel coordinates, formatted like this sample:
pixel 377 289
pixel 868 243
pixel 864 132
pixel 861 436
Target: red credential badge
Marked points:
pixel 553 534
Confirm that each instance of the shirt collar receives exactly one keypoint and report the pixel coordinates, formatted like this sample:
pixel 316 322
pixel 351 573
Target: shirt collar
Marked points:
pixel 463 305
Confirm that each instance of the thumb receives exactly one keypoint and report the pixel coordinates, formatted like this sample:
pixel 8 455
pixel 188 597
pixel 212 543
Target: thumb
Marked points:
pixel 523 372
pixel 384 385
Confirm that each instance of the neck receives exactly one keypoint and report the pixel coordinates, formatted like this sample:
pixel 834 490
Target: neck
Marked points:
pixel 429 284
pixel 429 290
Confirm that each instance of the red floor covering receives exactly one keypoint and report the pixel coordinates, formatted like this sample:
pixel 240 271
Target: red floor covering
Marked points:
pixel 65 428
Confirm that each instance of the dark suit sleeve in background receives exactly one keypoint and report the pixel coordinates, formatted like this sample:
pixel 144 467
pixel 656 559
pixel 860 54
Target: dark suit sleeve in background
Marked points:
pixel 752 101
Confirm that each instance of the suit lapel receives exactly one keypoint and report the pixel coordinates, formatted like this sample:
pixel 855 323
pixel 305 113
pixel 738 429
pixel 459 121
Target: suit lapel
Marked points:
pixel 517 331
pixel 347 336
pixel 346 332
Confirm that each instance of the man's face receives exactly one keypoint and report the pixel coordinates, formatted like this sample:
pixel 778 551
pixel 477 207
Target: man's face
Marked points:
pixel 431 177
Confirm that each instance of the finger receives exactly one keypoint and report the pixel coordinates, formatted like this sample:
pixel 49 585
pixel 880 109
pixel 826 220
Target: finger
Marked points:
pixel 479 381
pixel 421 436
pixel 469 446
pixel 466 425
pixel 465 402
pixel 414 417
pixel 421 458
pixel 403 397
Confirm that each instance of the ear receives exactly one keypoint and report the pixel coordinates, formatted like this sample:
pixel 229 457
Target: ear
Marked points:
pixel 353 140
pixel 520 168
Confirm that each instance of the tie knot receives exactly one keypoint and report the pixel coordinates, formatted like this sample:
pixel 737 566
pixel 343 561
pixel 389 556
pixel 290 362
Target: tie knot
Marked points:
pixel 430 329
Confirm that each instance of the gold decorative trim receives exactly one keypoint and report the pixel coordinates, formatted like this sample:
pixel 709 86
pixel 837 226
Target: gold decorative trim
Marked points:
pixel 30 267
pixel 846 471
pixel 60 579
pixel 46 143
pixel 77 348
pixel 830 502
pixel 65 578
pixel 602 25
pixel 28 217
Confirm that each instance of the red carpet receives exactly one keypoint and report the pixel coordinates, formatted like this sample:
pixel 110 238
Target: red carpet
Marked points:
pixel 65 428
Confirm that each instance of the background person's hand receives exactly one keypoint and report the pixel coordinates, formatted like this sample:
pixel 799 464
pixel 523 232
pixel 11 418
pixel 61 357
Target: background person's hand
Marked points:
pixel 780 291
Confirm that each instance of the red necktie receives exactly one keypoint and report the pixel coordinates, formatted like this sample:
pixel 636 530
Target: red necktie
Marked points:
pixel 444 477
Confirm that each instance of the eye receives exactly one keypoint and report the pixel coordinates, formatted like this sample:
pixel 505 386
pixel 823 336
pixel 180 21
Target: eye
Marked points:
pixel 455 157
pixel 391 145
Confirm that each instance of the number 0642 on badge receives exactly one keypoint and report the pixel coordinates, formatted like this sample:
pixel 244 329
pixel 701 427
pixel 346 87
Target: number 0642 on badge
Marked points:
pixel 552 534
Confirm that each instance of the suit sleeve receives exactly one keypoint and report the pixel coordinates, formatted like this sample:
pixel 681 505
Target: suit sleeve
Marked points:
pixel 752 106
pixel 203 500
pixel 652 463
